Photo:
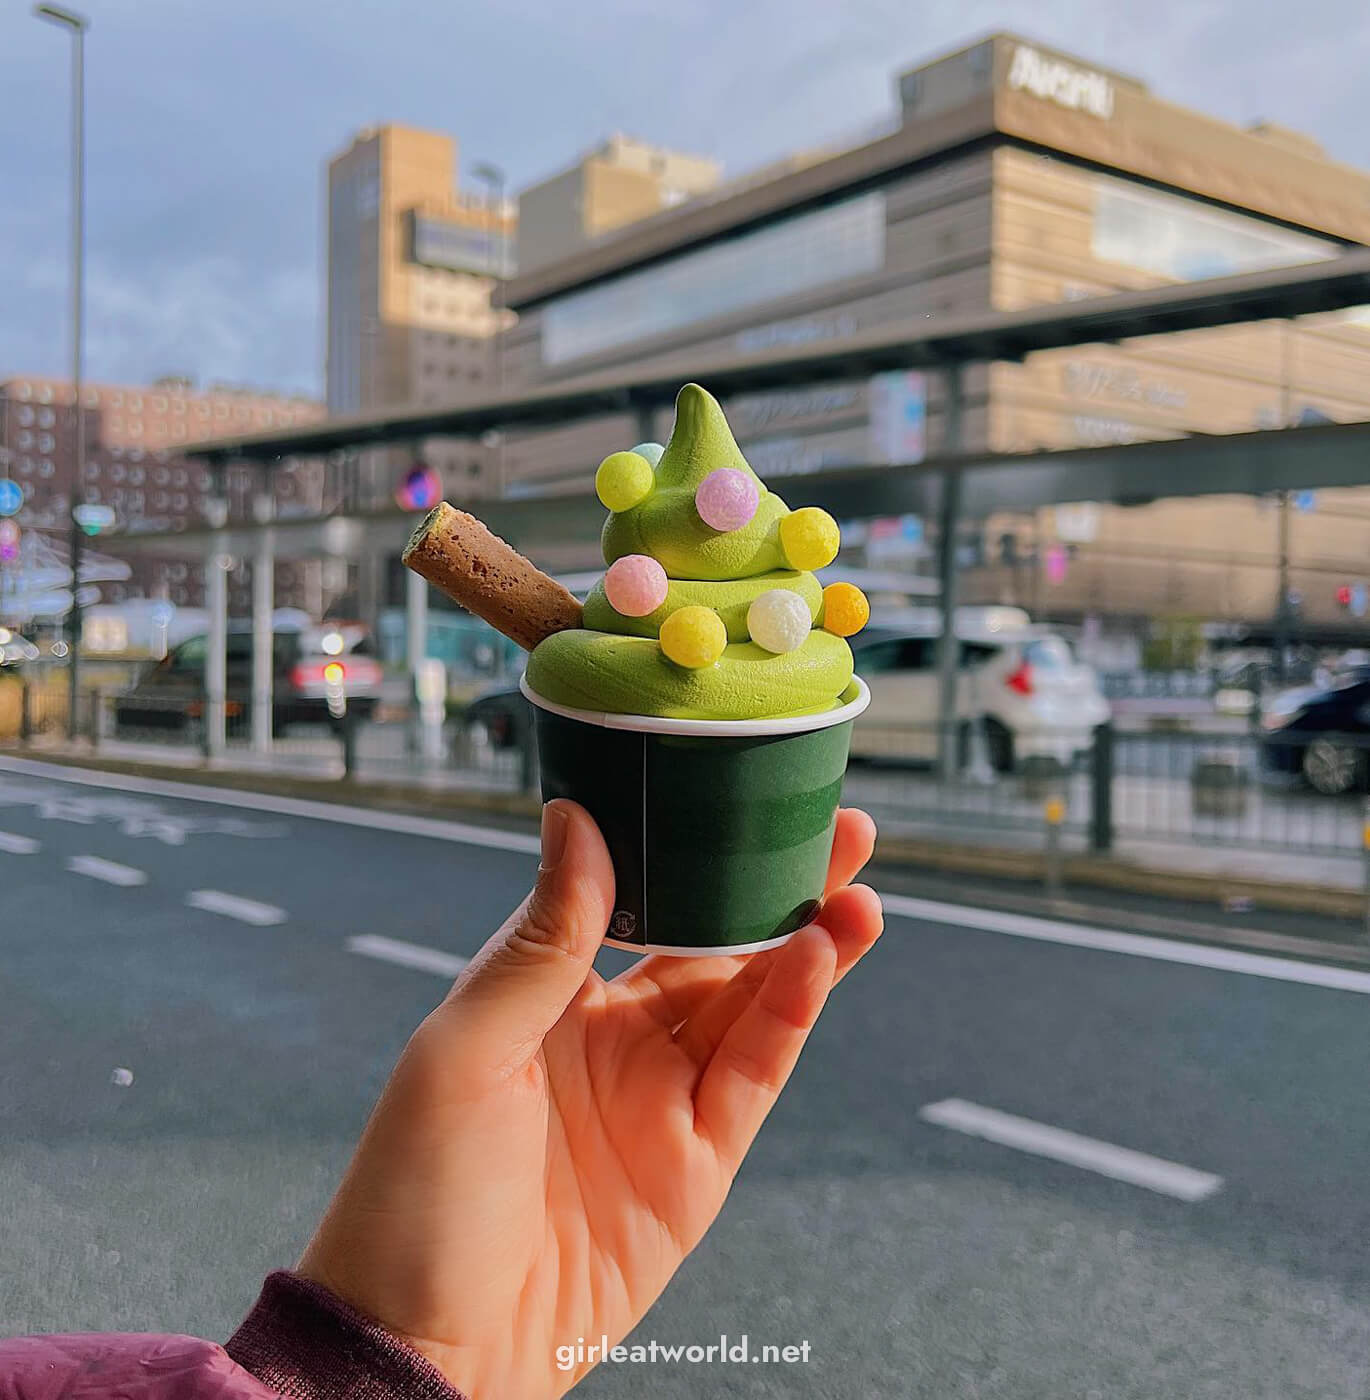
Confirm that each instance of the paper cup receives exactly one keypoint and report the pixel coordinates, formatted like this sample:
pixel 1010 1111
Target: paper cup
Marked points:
pixel 719 830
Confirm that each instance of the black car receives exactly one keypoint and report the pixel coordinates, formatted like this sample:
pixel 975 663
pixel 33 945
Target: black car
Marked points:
pixel 170 694
pixel 1321 733
pixel 500 716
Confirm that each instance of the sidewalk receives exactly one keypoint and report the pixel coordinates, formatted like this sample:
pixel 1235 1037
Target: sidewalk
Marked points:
pixel 966 830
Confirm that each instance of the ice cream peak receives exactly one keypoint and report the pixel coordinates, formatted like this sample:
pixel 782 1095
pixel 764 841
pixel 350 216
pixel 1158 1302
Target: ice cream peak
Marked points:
pixel 665 521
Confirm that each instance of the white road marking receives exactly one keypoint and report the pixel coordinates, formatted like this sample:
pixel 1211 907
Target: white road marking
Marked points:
pixel 15 845
pixel 465 832
pixel 1134 945
pixel 394 950
pixel 931 910
pixel 1041 1140
pixel 233 906
pixel 110 871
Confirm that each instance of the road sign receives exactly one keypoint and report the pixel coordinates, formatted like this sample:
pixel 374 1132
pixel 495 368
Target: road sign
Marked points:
pixel 1305 500
pixel 93 518
pixel 11 496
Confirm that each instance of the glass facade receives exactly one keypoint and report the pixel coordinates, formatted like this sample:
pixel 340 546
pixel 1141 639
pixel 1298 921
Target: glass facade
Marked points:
pixel 1186 240
pixel 352 200
pixel 793 255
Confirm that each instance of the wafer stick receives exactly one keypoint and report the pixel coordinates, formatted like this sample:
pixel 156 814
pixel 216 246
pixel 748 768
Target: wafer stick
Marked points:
pixel 457 554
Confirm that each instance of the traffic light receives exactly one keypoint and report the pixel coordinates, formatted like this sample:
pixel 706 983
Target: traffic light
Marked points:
pixel 1344 596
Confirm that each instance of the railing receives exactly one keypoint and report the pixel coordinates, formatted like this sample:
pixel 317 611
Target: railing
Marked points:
pixel 1284 790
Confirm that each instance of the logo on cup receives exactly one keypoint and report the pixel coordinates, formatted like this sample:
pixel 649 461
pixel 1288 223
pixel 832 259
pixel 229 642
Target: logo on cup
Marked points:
pixel 623 925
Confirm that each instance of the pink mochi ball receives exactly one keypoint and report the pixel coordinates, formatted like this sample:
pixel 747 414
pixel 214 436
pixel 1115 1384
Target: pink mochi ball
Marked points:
pixel 727 499
pixel 635 585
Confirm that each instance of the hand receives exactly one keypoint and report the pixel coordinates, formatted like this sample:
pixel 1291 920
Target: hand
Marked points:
pixel 551 1146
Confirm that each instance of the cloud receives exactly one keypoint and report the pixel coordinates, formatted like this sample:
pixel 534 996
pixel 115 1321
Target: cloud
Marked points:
pixel 209 126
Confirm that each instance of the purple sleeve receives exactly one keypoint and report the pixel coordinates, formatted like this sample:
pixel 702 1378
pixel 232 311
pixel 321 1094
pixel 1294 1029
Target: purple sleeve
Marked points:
pixel 302 1341
pixel 298 1341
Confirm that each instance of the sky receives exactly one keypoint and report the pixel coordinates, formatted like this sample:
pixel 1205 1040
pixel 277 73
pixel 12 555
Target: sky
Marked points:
pixel 209 124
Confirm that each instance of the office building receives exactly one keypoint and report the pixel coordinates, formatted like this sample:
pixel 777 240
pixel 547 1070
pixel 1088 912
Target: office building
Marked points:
pixel 412 261
pixel 134 437
pixel 619 182
pixel 1009 175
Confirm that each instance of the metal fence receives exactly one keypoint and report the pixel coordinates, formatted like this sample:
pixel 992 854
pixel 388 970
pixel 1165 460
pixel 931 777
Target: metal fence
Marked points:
pixel 1286 791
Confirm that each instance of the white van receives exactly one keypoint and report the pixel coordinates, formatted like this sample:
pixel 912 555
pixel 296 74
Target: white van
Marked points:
pixel 1020 681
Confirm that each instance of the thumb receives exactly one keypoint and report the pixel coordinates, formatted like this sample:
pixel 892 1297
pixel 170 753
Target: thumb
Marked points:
pixel 525 976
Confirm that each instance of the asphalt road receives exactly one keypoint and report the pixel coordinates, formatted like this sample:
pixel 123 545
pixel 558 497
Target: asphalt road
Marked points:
pixel 204 950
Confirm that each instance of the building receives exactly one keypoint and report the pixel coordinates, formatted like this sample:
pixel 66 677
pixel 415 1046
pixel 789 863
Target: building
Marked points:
pixel 618 183
pixel 1010 175
pixel 134 434
pixel 412 262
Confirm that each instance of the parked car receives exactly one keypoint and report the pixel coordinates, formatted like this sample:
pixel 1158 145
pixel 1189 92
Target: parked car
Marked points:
pixel 1321 733
pixel 1020 682
pixel 14 649
pixel 499 716
pixel 170 694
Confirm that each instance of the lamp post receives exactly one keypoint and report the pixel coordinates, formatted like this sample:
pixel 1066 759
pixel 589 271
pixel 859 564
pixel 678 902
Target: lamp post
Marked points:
pixel 76 26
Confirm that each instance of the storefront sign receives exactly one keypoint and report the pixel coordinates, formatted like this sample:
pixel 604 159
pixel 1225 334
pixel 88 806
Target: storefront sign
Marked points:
pixel 1054 80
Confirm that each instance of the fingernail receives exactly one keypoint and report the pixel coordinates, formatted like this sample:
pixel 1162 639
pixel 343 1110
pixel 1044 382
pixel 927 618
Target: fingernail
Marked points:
pixel 555 820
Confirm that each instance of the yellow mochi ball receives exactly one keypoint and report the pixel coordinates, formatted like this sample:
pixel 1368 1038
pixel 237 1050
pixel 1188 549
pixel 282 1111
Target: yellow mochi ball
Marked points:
pixel 693 636
pixel 624 480
pixel 810 538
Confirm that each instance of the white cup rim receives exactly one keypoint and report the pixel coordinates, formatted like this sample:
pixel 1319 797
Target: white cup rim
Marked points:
pixel 717 728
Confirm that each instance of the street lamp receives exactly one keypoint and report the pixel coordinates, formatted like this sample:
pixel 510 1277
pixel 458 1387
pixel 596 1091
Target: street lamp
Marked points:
pixel 76 26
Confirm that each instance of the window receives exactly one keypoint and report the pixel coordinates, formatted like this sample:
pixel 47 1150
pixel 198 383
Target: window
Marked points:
pixel 45 467
pixel 221 410
pixel 25 416
pixel 896 654
pixel 179 476
pixel 93 471
pixel 116 473
pixel 135 454
pixel 116 424
pixel 135 476
pixel 135 403
pixel 161 476
pixel 792 255
pixel 45 394
pixel 159 403
pixel 135 428
pixel 159 500
pixel 46 442
pixel 202 410
pixel 46 418
pixel 116 399
pixel 191 655
pixel 25 439
pixel 178 407
pixel 26 391
pixel 1185 240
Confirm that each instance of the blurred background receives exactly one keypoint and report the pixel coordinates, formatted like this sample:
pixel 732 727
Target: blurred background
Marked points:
pixel 1063 310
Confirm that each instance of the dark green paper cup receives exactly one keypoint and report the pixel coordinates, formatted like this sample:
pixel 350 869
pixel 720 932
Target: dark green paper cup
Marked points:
pixel 719 830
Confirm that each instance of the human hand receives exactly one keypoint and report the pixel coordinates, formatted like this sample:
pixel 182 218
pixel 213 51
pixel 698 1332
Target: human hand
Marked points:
pixel 552 1145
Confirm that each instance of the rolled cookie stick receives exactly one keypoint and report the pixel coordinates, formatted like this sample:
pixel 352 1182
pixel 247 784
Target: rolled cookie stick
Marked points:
pixel 456 553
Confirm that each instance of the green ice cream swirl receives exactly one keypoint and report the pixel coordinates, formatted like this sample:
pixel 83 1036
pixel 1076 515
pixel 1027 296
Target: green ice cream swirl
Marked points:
pixel 618 663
